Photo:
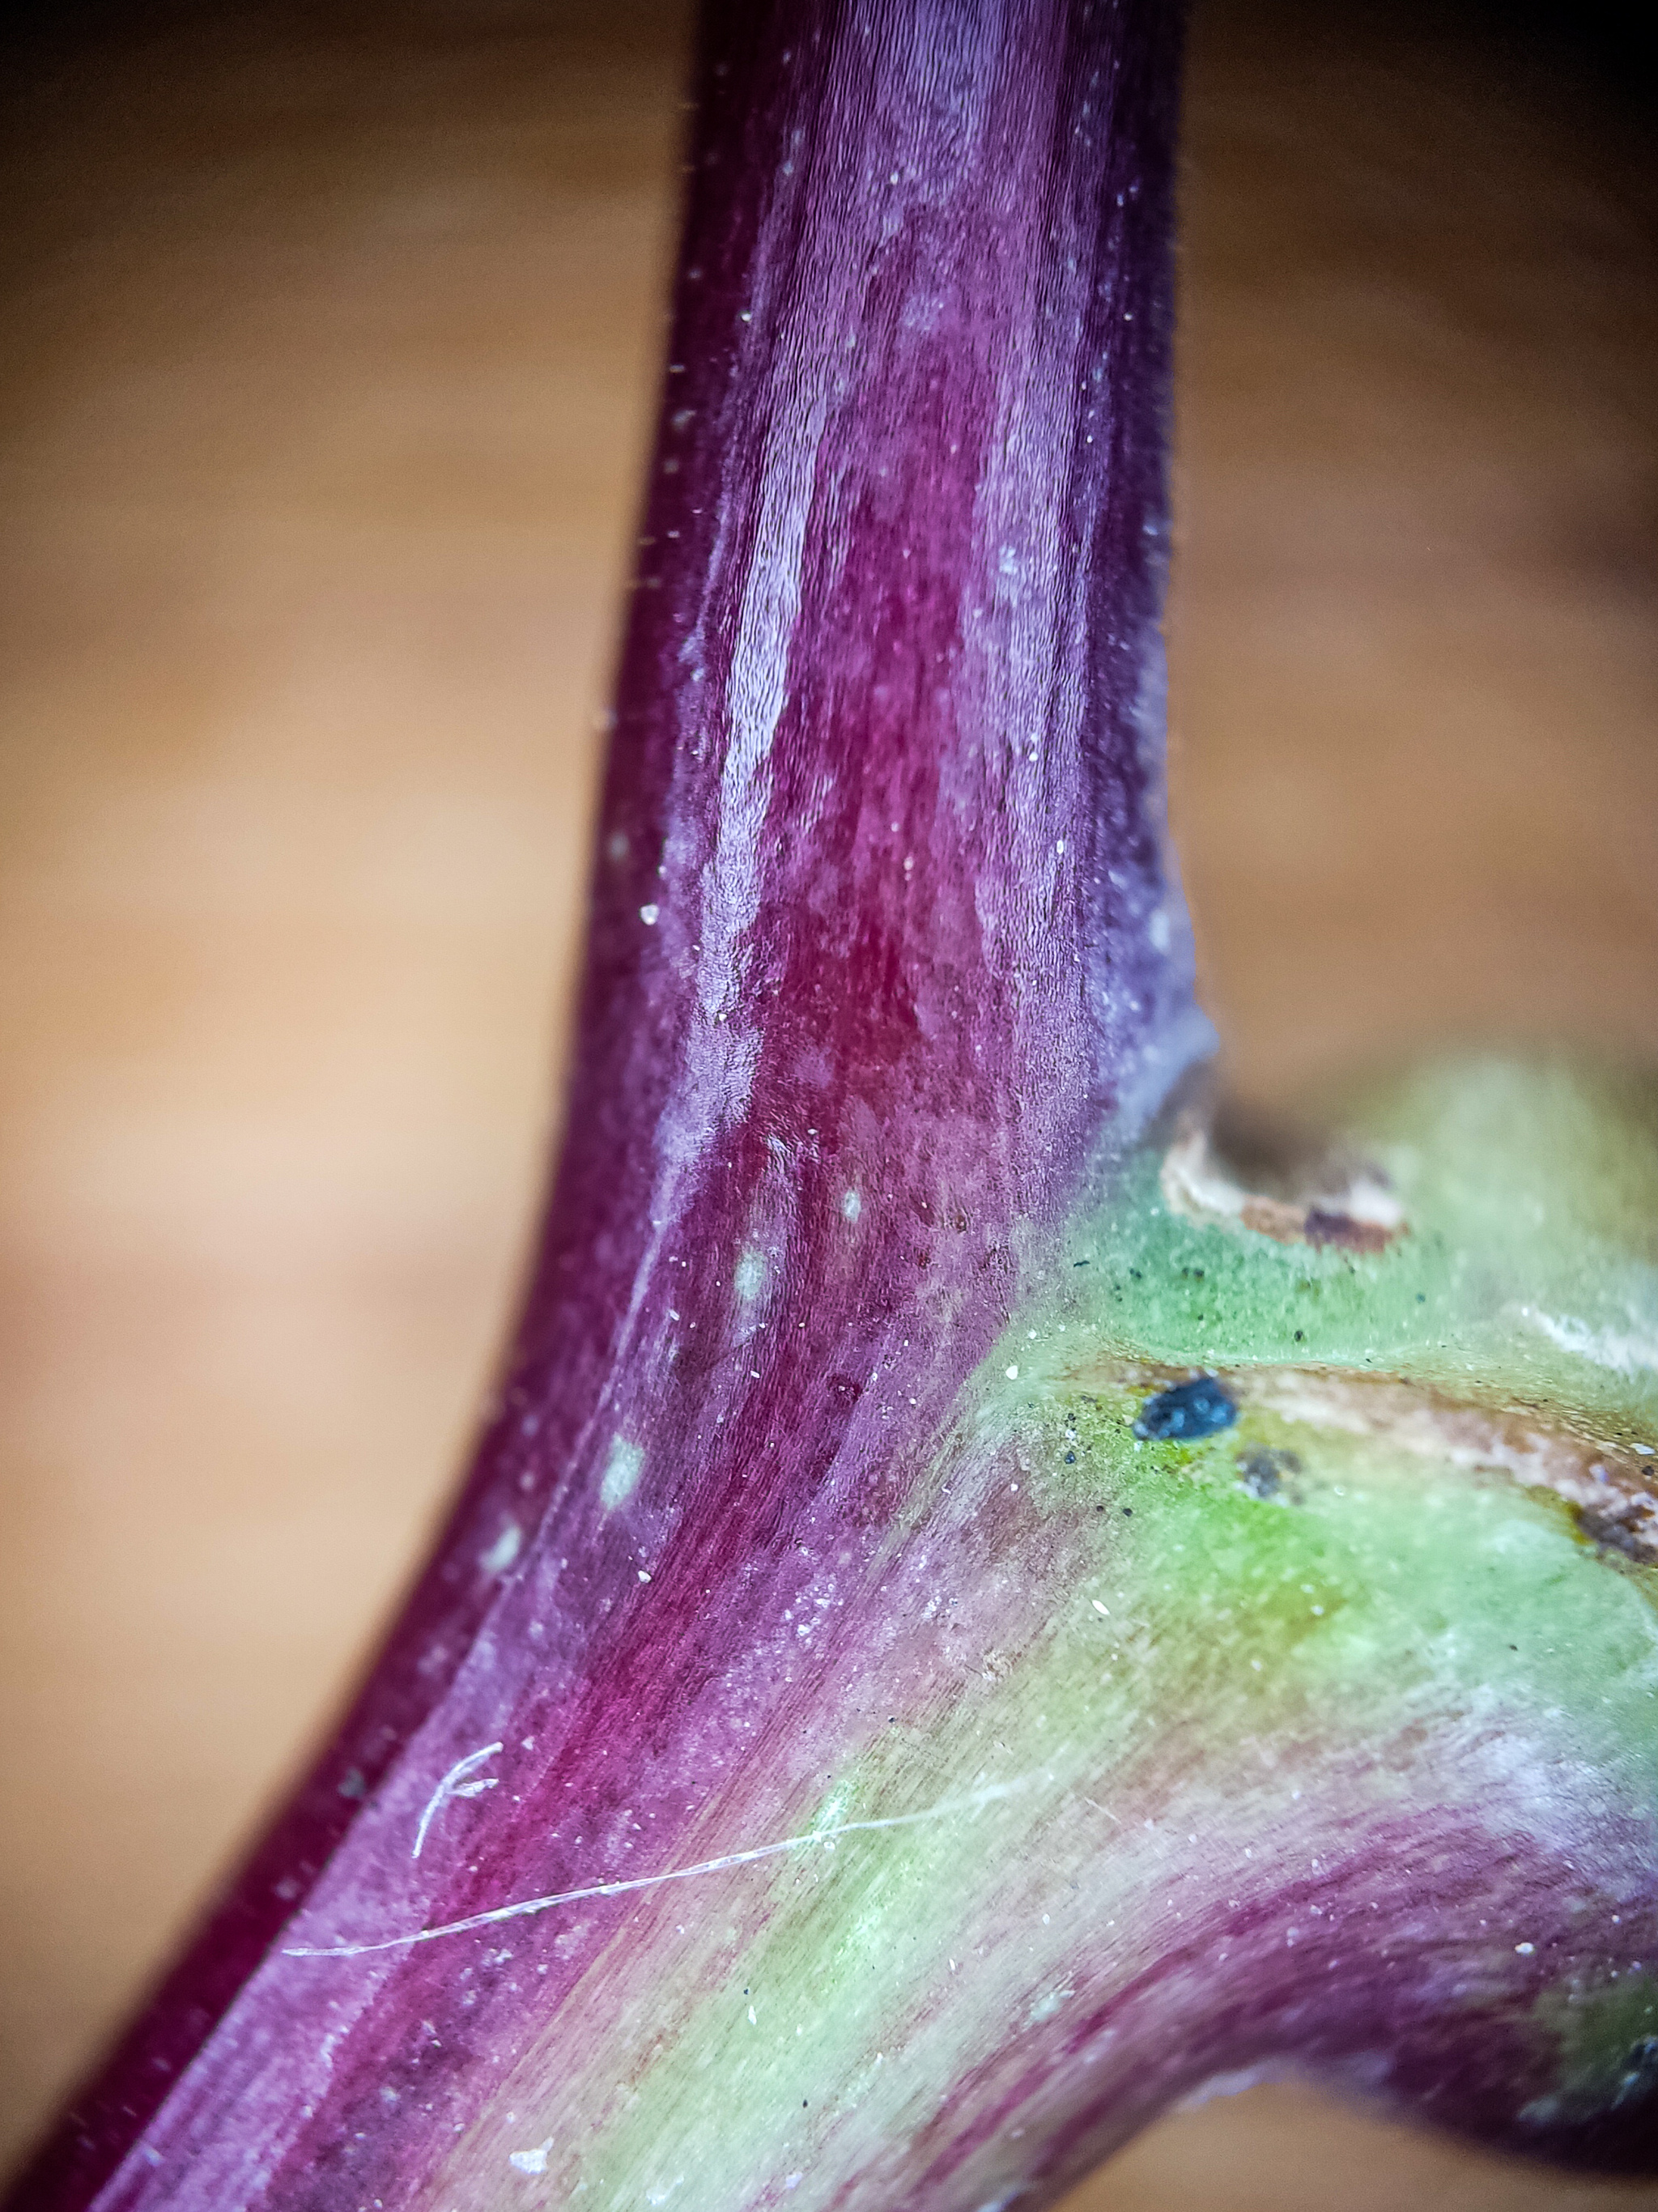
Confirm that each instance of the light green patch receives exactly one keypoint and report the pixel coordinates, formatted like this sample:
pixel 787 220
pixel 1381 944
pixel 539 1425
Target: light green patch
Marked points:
pixel 1529 1272
pixel 1368 1566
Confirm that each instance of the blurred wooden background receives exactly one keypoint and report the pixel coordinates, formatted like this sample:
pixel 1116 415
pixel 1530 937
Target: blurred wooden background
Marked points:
pixel 328 344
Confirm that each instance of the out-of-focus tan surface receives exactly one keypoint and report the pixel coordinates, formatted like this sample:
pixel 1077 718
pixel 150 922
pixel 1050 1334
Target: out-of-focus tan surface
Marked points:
pixel 328 346
pixel 1416 607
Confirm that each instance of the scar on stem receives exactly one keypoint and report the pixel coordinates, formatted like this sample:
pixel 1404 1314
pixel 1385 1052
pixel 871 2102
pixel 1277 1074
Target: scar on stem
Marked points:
pixel 971 1803
pixel 452 1786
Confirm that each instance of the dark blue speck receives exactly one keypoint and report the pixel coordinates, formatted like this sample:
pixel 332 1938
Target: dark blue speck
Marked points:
pixel 1186 1412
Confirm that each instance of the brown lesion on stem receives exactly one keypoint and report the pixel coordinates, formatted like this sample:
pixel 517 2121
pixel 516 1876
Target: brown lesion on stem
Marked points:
pixel 1226 1172
pixel 1612 1490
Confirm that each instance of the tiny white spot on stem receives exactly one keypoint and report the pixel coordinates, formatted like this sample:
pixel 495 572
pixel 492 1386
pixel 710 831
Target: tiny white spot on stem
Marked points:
pixel 650 915
pixel 505 1549
pixel 621 1476
pixel 852 1205
pixel 531 2162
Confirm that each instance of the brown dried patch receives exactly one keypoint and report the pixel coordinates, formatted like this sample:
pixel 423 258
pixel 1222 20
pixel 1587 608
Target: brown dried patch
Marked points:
pixel 1294 1193
pixel 1324 1227
pixel 1267 1216
pixel 1612 1490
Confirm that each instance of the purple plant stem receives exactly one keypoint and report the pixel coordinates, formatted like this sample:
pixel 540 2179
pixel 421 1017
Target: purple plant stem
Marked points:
pixel 882 920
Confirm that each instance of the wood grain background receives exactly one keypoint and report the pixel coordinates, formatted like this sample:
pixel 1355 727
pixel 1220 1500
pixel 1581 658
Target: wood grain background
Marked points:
pixel 328 344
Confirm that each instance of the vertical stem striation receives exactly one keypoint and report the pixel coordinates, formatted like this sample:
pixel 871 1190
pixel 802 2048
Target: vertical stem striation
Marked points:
pixel 885 964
